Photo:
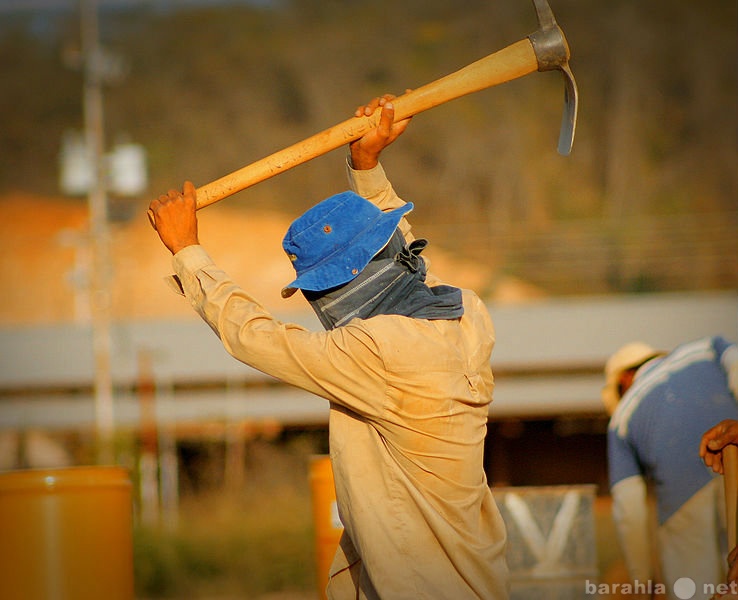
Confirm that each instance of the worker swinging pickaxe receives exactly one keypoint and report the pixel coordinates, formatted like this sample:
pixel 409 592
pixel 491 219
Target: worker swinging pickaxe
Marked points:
pixel 544 50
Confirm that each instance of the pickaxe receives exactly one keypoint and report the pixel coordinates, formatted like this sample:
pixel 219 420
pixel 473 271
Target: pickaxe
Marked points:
pixel 544 50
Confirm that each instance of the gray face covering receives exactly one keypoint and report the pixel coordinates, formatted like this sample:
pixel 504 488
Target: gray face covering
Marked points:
pixel 393 283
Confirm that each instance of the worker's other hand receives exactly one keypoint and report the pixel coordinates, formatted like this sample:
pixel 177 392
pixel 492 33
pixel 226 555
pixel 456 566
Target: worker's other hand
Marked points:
pixel 714 440
pixel 175 217
pixel 366 150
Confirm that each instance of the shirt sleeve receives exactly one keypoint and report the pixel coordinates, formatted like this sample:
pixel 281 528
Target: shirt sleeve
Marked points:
pixel 622 460
pixel 343 365
pixel 630 509
pixel 373 185
pixel 630 513
pixel 727 354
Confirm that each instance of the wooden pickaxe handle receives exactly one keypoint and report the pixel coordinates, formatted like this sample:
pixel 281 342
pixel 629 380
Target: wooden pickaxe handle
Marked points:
pixel 730 481
pixel 544 50
pixel 510 63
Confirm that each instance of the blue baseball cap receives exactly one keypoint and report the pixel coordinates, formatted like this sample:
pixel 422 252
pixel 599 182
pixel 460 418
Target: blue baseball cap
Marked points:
pixel 332 242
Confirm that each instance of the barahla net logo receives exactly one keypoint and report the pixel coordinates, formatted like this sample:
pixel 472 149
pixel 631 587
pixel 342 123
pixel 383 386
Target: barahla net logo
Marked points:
pixel 684 589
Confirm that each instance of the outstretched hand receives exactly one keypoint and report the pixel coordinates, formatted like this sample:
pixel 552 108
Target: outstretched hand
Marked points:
pixel 366 150
pixel 175 217
pixel 714 440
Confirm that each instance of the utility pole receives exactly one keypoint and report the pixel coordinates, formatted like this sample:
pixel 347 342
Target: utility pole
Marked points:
pixel 98 223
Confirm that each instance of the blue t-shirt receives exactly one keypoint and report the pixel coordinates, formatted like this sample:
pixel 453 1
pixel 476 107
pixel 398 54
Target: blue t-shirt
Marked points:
pixel 656 430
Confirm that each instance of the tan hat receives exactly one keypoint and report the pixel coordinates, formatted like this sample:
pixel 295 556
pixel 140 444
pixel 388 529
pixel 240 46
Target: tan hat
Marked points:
pixel 627 357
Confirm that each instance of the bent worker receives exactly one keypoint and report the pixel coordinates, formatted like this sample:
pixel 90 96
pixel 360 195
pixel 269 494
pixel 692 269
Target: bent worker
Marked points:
pixel 404 363
pixel 660 404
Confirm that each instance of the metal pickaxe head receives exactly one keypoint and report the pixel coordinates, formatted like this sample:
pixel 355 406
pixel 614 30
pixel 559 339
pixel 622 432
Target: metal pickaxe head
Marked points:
pixel 552 53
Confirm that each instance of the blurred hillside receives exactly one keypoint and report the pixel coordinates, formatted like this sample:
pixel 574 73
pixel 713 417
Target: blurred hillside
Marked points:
pixel 648 200
pixel 50 261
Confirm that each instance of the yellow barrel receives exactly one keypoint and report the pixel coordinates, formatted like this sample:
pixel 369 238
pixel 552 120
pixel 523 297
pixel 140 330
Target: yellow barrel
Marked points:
pixel 328 527
pixel 66 534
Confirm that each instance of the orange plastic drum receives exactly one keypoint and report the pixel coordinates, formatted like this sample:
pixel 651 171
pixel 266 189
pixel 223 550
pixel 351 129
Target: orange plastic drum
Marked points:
pixel 66 534
pixel 328 527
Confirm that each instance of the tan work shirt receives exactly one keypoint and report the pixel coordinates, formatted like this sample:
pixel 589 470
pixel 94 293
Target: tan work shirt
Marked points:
pixel 409 400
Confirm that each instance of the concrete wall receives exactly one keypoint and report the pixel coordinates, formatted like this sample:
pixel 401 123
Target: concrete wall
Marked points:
pixel 548 360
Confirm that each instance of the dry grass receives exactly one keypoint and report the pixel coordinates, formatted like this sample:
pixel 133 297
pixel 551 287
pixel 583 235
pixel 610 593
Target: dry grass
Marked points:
pixel 258 541
pixel 248 543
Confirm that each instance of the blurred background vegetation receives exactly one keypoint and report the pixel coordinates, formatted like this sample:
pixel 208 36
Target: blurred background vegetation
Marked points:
pixel 648 200
pixel 254 539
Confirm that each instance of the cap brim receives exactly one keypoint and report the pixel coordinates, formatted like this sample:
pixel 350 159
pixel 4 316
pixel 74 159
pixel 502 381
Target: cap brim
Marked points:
pixel 288 292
